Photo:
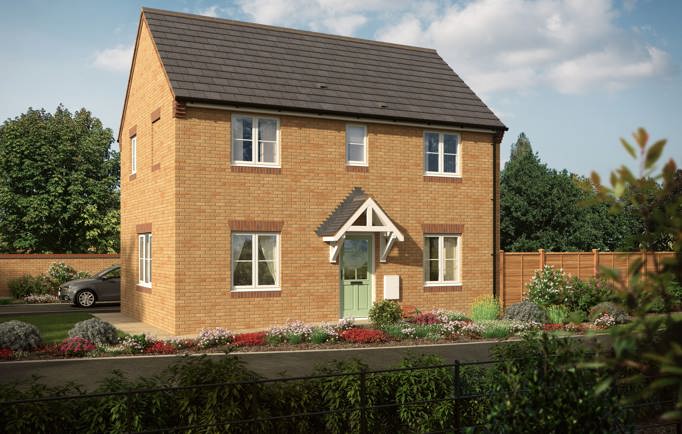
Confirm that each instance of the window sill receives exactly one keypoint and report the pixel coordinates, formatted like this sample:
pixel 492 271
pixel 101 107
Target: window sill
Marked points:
pixel 268 170
pixel 143 288
pixel 453 179
pixel 454 287
pixel 357 169
pixel 256 293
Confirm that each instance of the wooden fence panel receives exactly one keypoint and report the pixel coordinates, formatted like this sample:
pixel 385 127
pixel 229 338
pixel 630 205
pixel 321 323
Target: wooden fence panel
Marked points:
pixel 518 268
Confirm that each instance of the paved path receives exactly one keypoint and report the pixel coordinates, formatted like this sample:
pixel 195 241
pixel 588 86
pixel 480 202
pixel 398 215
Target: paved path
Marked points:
pixel 41 309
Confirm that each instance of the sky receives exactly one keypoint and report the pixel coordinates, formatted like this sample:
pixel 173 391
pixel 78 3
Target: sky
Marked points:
pixel 574 75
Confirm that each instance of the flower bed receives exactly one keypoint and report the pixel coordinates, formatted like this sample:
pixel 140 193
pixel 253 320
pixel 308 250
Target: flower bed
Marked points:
pixel 415 328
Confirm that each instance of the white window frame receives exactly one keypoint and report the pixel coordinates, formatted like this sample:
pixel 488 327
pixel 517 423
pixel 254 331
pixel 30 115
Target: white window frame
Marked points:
pixel 365 161
pixel 254 142
pixel 133 155
pixel 144 244
pixel 441 152
pixel 254 263
pixel 441 261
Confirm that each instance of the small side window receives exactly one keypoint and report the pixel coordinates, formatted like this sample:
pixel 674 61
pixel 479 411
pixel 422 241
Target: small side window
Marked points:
pixel 356 145
pixel 133 155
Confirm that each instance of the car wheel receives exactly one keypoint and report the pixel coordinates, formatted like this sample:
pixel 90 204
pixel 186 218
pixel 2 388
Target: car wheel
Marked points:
pixel 85 298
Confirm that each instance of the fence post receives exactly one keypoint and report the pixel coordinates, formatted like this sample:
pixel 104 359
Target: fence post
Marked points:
pixel 542 258
pixel 595 262
pixel 457 392
pixel 363 401
pixel 500 278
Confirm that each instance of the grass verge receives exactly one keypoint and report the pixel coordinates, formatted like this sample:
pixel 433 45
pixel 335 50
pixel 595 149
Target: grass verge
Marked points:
pixel 53 327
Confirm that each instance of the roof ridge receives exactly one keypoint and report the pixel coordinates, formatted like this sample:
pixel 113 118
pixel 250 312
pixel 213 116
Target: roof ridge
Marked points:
pixel 285 29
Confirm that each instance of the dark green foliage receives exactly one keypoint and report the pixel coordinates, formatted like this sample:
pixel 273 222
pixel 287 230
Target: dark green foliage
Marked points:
pixel 613 309
pixel 538 389
pixel 584 294
pixel 553 210
pixel 59 184
pixel 25 285
pixel 319 336
pixel 576 316
pixel 385 312
pixel 526 311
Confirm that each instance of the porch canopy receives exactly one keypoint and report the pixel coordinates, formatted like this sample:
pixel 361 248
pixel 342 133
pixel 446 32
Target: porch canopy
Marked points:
pixel 358 213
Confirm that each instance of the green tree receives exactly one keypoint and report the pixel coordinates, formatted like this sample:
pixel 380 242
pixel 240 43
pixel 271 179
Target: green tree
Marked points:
pixel 554 210
pixel 59 184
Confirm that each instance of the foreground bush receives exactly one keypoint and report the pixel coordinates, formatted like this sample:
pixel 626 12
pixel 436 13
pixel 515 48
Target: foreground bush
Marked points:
pixel 96 331
pixel 525 311
pixel 385 312
pixel 19 336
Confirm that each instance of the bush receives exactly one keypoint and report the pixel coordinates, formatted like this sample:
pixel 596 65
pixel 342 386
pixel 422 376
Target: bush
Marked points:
pixel 41 299
pixel 485 308
pixel 60 273
pixel 557 314
pixel 249 339
pixel 583 295
pixel 214 337
pixel 363 336
pixel 160 347
pixel 605 321
pixel 135 344
pixel 96 331
pixel 456 316
pixel 26 285
pixel 426 318
pixel 19 336
pixel 385 312
pixel 495 329
pixel 319 336
pixel 548 286
pixel 617 312
pixel 525 311
pixel 76 347
pixel 6 354
pixel 576 316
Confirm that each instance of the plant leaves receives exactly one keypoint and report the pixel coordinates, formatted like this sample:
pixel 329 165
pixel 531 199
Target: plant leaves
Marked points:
pixel 628 147
pixel 654 153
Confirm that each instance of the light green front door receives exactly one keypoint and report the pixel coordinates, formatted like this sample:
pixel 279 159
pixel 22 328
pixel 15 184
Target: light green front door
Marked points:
pixel 356 286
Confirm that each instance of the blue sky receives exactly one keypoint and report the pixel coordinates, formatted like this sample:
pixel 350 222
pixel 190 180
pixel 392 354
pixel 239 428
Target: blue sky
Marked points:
pixel 575 75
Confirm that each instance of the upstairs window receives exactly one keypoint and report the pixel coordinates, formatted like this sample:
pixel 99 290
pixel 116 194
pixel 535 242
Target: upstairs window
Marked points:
pixel 133 155
pixel 356 145
pixel 441 154
pixel 255 141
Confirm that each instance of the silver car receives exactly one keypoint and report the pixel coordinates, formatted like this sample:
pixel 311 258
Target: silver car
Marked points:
pixel 103 286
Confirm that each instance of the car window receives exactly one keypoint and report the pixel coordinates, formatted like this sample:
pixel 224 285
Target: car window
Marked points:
pixel 115 273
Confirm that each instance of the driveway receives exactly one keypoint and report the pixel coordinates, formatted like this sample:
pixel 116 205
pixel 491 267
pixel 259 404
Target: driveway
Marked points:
pixel 39 309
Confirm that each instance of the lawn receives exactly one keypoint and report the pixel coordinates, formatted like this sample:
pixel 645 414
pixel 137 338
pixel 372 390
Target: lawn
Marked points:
pixel 53 327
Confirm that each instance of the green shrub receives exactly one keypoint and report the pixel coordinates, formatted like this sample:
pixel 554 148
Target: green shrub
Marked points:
pixel 616 311
pixel 584 294
pixel 526 311
pixel 456 316
pixel 294 339
pixel 576 316
pixel 319 336
pixel 557 314
pixel 496 329
pixel 96 331
pixel 60 273
pixel 485 308
pixel 548 286
pixel 25 285
pixel 385 312
pixel 19 336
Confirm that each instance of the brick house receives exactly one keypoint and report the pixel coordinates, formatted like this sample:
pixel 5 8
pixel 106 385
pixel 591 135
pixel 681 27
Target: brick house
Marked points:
pixel 271 174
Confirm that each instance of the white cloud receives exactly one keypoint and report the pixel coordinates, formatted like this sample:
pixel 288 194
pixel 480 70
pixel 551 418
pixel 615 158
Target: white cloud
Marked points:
pixel 115 59
pixel 211 11
pixel 513 45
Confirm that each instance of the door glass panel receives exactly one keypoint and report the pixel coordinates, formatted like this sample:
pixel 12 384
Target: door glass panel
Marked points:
pixel 355 259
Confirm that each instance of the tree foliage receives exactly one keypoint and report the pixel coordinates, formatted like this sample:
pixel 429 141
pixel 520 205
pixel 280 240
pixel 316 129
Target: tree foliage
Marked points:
pixel 59 184
pixel 553 210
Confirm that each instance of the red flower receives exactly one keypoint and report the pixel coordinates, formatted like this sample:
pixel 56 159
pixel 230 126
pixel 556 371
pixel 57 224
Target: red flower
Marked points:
pixel 363 336
pixel 249 339
pixel 6 354
pixel 552 327
pixel 426 318
pixel 76 346
pixel 160 347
